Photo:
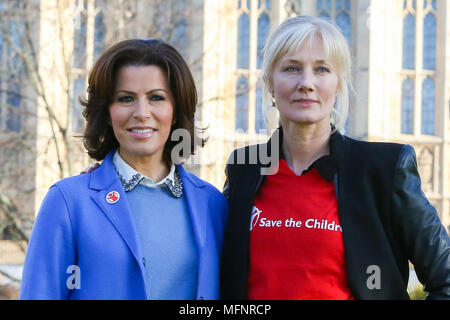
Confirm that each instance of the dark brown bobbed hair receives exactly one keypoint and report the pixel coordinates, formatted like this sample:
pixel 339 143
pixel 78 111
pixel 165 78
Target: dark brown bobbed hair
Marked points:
pixel 98 137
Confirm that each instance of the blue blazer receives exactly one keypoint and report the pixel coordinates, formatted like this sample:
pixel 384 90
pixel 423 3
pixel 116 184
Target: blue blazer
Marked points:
pixel 82 247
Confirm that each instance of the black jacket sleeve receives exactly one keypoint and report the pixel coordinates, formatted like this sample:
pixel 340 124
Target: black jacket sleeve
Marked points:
pixel 418 228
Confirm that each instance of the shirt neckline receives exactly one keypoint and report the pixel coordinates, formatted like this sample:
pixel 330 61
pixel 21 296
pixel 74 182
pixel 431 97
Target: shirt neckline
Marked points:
pixel 327 165
pixel 130 178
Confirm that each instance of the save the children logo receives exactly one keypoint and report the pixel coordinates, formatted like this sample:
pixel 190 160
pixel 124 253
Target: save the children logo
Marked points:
pixel 255 217
pixel 262 222
pixel 112 197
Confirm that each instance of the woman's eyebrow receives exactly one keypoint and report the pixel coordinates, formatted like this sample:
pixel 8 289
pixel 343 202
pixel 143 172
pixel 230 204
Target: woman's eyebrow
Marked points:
pixel 159 89
pixel 319 61
pixel 322 62
pixel 131 92
pixel 291 60
pixel 124 91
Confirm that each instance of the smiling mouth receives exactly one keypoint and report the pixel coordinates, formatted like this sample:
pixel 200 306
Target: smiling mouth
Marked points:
pixel 141 132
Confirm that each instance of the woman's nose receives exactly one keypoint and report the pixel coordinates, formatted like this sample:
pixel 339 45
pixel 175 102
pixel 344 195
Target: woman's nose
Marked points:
pixel 142 110
pixel 305 81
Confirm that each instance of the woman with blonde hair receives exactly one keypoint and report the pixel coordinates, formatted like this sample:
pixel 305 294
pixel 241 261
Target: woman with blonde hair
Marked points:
pixel 339 218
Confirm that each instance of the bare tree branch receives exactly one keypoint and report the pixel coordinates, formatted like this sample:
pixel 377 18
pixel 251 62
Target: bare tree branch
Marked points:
pixel 11 212
pixel 9 276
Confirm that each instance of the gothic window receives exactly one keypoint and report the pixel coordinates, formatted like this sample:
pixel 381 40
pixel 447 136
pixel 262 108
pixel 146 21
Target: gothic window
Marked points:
pixel 241 122
pixel 11 77
pixel 263 32
pixel 428 106
pixel 338 12
pixel 179 36
pixel 409 42
pixel 1 46
pixel 99 34
pixel 78 90
pixel 1 78
pixel 429 42
pixel 13 93
pixel 243 51
pixel 259 114
pixel 407 106
pixel 79 35
pixel 344 23
pixel 323 8
pixel 341 5
pixel 253 26
pixel 2 82
pixel 81 54
pixel 420 13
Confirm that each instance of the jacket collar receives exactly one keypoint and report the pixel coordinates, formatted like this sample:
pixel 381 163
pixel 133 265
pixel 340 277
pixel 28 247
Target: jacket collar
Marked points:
pixel 101 178
pixel 130 178
pixel 327 166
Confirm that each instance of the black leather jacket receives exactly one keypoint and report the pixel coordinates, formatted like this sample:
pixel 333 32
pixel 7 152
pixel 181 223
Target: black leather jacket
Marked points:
pixel 385 216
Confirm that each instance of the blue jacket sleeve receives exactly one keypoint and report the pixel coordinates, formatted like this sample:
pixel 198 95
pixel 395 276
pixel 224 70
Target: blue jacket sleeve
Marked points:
pixel 51 251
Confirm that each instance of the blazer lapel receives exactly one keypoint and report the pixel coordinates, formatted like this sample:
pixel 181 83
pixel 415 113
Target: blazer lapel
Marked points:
pixel 105 180
pixel 197 206
pixel 340 149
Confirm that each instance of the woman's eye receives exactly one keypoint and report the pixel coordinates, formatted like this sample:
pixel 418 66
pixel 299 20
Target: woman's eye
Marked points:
pixel 126 99
pixel 156 97
pixel 322 69
pixel 292 69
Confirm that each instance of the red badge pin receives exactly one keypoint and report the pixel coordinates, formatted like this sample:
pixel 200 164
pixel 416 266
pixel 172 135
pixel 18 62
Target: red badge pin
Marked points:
pixel 112 197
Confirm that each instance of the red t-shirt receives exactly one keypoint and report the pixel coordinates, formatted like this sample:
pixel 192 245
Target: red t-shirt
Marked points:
pixel 296 245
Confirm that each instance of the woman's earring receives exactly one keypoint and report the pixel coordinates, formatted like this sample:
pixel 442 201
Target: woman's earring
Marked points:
pixel 273 103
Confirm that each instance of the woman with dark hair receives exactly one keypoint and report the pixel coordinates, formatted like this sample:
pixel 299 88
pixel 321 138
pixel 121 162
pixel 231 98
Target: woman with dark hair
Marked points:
pixel 140 226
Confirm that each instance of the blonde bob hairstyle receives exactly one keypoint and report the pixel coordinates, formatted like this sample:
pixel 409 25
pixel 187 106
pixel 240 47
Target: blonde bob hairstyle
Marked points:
pixel 289 36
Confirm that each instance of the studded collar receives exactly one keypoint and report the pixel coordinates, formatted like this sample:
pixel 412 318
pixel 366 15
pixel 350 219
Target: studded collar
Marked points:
pixel 130 178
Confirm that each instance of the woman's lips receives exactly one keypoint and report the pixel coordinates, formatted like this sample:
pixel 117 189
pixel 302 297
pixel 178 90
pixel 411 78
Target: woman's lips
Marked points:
pixel 305 102
pixel 141 132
